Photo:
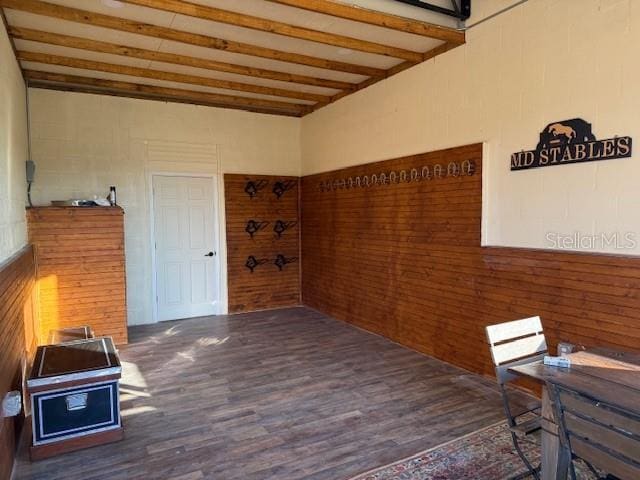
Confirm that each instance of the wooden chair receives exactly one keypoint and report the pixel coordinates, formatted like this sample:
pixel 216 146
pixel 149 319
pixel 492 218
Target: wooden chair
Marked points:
pixel 598 432
pixel 516 343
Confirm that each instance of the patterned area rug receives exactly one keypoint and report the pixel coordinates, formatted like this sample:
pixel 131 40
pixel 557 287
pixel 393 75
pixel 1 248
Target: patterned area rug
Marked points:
pixel 486 454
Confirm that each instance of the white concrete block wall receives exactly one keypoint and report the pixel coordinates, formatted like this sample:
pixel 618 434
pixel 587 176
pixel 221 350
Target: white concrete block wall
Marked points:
pixel 542 61
pixel 13 152
pixel 84 143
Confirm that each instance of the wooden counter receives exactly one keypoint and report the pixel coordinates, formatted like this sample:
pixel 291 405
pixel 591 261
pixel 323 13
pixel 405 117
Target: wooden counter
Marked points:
pixel 80 269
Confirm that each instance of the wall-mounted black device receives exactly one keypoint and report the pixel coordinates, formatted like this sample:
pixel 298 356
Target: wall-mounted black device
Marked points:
pixel 31 175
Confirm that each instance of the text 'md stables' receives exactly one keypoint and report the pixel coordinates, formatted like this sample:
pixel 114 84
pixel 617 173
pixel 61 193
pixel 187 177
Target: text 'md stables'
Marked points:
pixel 570 141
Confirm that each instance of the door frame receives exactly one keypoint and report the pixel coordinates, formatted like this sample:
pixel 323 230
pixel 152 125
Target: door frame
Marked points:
pixel 217 227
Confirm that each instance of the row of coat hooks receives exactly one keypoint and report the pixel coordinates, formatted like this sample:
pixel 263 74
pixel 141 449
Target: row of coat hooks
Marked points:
pixel 437 171
pixel 253 187
pixel 280 261
pixel 279 227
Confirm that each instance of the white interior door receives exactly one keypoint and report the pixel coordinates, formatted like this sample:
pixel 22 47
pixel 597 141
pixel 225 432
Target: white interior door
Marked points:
pixel 185 251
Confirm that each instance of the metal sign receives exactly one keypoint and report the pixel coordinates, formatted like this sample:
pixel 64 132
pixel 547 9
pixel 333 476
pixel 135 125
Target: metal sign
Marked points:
pixel 570 141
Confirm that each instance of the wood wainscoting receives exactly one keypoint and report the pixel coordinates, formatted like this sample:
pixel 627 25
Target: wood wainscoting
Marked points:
pixel 404 261
pixel 81 269
pixel 17 341
pixel 268 285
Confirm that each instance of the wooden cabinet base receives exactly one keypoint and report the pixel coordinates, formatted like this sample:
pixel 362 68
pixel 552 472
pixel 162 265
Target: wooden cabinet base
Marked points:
pixel 39 452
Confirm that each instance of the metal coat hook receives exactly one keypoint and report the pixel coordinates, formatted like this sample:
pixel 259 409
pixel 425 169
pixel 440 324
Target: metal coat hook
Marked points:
pixel 254 226
pixel 252 262
pixel 252 188
pixel 281 187
pixel 280 227
pixel 281 261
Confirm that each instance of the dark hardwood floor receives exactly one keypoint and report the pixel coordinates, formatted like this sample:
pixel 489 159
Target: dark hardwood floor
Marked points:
pixel 286 394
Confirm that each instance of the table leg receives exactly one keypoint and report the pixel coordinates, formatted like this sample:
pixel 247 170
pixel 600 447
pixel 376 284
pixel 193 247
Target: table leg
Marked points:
pixel 554 466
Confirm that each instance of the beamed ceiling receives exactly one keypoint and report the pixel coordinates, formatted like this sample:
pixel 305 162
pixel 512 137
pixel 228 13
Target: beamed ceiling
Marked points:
pixel 285 57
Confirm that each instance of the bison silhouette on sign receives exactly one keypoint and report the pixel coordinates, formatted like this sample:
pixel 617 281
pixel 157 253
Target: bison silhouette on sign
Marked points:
pixel 556 134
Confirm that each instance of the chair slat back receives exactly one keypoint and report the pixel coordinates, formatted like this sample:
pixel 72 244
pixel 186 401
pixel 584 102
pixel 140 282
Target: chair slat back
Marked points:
pixel 513 341
pixel 522 348
pixel 603 434
pixel 518 328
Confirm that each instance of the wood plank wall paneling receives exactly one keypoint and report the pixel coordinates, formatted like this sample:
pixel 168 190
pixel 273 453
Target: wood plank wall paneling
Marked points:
pixel 17 341
pixel 405 261
pixel 267 287
pixel 81 269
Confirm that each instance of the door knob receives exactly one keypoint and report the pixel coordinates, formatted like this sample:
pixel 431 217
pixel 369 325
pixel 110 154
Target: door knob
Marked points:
pixel 210 254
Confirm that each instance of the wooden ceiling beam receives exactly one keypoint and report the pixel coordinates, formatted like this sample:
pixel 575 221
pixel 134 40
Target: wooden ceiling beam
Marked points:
pixel 124 25
pixel 380 19
pixel 73 62
pixel 136 90
pixel 132 52
pixel 271 26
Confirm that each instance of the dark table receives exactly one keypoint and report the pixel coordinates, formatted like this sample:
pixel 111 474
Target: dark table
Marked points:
pixel 604 374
